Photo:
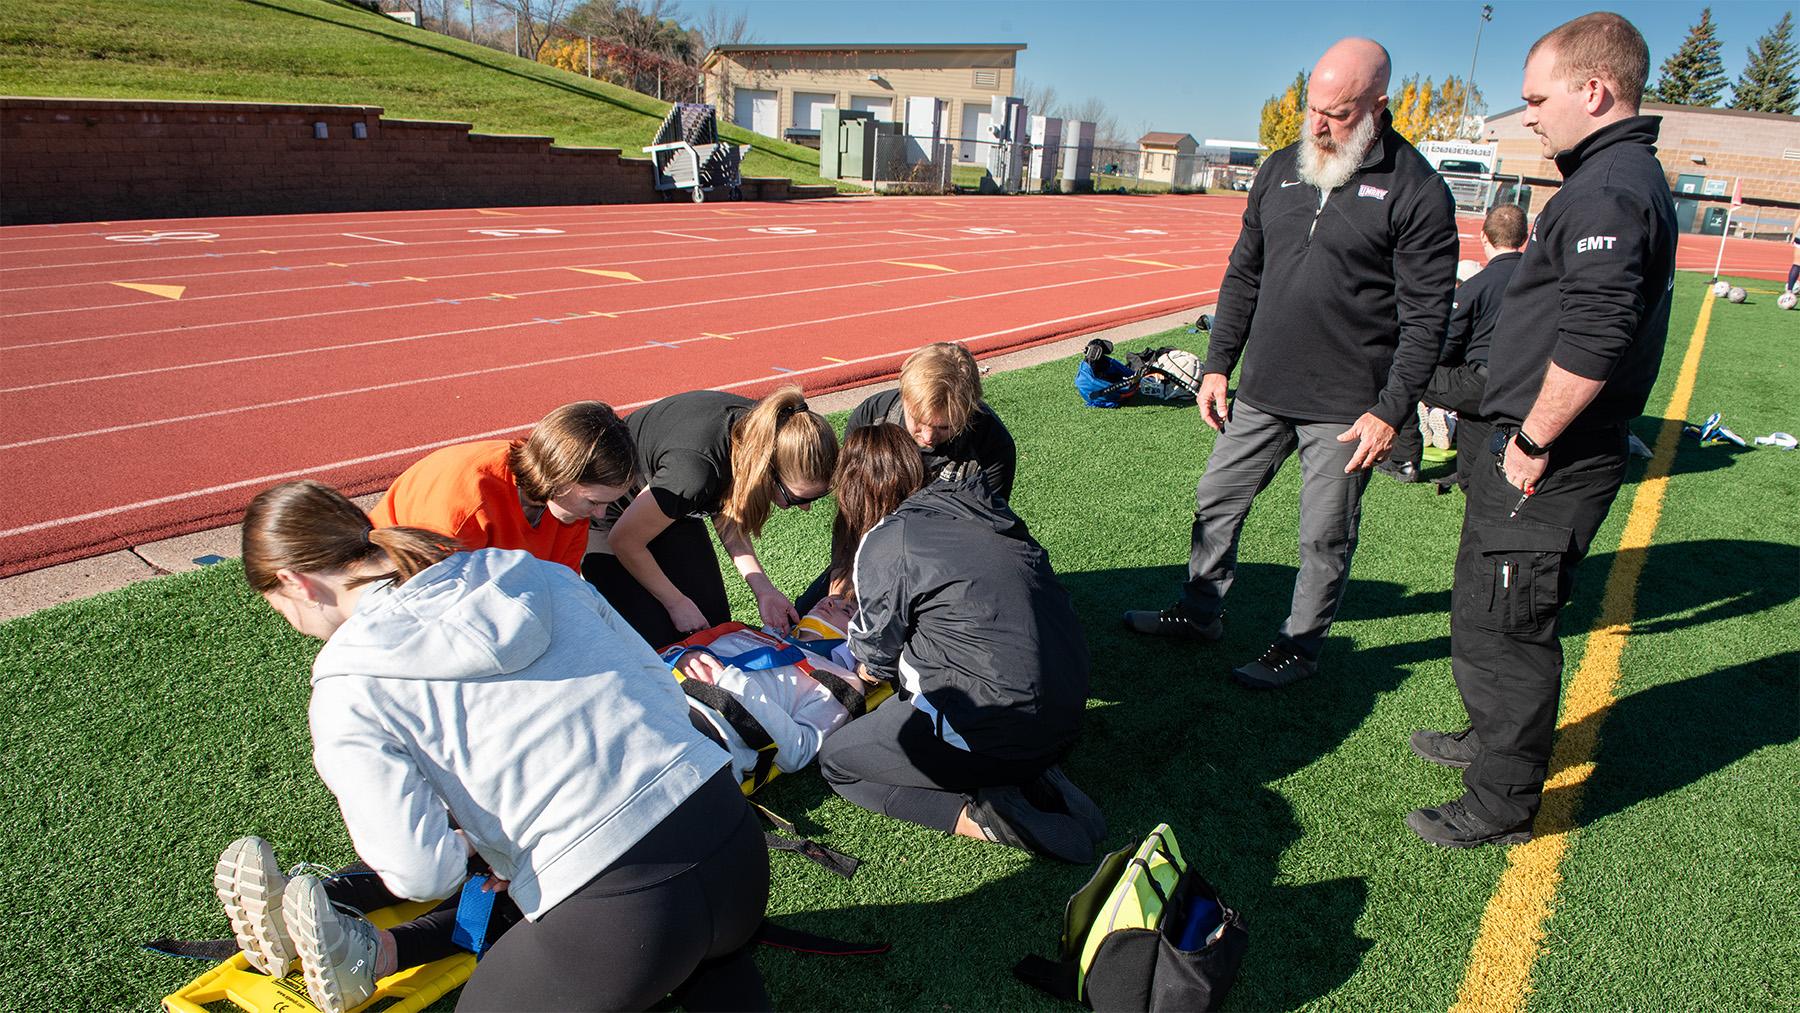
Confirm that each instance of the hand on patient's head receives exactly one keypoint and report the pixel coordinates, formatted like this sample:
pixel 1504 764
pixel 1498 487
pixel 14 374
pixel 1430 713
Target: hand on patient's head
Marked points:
pixel 700 666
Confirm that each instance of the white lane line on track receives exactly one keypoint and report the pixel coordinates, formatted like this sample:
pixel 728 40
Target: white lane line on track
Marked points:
pixel 125 374
pixel 385 455
pixel 683 235
pixel 372 239
pixel 1029 220
pixel 149 423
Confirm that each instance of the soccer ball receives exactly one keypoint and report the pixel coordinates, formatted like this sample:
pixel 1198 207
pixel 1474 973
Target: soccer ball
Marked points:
pixel 1786 300
pixel 1735 295
pixel 1720 288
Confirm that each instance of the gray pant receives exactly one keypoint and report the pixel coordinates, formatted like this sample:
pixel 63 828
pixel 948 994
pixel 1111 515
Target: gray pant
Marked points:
pixel 1243 461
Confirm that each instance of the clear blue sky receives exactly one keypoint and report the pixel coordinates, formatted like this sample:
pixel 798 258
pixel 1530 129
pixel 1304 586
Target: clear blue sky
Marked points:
pixel 1206 68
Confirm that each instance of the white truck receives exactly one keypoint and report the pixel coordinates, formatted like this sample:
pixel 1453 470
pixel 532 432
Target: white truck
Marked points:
pixel 1468 169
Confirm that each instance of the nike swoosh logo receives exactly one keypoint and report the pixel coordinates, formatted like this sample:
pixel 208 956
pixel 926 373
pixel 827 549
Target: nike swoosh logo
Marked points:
pixel 1291 182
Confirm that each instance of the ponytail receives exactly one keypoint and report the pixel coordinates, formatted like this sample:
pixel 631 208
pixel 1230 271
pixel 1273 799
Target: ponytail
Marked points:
pixel 780 437
pixel 880 468
pixel 310 527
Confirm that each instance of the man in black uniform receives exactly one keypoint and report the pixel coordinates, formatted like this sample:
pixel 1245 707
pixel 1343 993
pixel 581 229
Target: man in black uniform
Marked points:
pixel 1337 296
pixel 1578 346
pixel 1460 379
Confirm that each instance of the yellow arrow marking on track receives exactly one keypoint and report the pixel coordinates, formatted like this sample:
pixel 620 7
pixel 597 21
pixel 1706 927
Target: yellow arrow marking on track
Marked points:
pixel 333 263
pixel 502 214
pixel 1109 211
pixel 621 275
pixel 721 337
pixel 1152 263
pixel 501 295
pixel 832 358
pixel 166 291
pixel 927 267
pixel 266 251
pixel 413 278
pixel 603 313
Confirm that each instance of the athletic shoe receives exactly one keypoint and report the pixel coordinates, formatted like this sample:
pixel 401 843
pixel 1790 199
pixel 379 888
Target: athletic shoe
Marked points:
pixel 1436 424
pixel 1452 825
pixel 1279 666
pixel 1053 792
pixel 1447 749
pixel 337 949
pixel 1005 817
pixel 1404 472
pixel 250 886
pixel 1175 621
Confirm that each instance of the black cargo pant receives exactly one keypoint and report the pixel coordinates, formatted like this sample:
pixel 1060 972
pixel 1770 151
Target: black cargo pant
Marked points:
pixel 1514 573
pixel 1458 388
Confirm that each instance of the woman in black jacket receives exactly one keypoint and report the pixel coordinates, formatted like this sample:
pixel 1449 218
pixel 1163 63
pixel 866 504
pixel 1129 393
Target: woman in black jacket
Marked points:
pixel 957 604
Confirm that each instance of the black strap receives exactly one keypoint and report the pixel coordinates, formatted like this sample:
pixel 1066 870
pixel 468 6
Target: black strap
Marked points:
pixel 832 859
pixel 194 949
pixel 783 938
pixel 849 697
pixel 1053 977
pixel 1155 887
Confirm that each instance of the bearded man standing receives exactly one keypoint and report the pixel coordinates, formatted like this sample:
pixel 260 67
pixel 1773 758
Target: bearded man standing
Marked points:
pixel 1337 298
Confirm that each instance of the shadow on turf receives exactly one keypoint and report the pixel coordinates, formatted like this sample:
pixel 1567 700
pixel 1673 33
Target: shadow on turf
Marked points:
pixel 1664 738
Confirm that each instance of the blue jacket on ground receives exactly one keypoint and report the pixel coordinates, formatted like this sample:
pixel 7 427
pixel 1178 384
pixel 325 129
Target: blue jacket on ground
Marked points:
pixel 1101 383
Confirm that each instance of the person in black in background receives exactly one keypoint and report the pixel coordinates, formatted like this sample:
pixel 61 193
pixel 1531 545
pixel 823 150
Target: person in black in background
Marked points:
pixel 1338 294
pixel 1461 376
pixel 1576 351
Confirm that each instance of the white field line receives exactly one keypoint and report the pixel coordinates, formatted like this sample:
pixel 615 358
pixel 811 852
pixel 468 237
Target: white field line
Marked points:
pixel 261 356
pixel 368 458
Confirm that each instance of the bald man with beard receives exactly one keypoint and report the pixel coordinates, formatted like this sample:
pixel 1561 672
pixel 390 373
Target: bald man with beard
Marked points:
pixel 1336 301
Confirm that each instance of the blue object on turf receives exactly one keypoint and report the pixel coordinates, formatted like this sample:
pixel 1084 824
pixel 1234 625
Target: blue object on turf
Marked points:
pixel 1203 916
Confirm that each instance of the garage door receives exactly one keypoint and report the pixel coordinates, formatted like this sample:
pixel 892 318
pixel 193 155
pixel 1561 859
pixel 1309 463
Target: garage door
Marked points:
pixel 807 107
pixel 755 109
pixel 882 108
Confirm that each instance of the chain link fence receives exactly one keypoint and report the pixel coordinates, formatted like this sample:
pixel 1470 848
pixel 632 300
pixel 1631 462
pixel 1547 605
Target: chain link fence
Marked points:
pixel 909 165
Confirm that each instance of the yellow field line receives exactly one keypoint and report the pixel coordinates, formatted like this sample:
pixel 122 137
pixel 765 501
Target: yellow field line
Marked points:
pixel 1498 978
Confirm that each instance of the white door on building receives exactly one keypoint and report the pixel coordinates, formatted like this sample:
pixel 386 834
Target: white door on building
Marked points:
pixel 808 106
pixel 755 109
pixel 882 108
pixel 975 123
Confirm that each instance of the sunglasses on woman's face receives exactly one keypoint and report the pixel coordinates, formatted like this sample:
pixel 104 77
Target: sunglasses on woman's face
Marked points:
pixel 789 499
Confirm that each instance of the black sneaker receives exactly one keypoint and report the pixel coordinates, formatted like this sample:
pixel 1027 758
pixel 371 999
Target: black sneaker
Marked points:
pixel 1053 792
pixel 1452 825
pixel 1447 749
pixel 1404 472
pixel 1175 621
pixel 1005 817
pixel 1279 666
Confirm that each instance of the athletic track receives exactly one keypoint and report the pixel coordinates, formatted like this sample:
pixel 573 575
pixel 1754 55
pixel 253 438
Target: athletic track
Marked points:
pixel 154 375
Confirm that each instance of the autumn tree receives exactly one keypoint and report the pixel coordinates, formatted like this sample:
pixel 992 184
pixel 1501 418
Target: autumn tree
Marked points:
pixel 1426 111
pixel 1693 75
pixel 1283 116
pixel 1768 83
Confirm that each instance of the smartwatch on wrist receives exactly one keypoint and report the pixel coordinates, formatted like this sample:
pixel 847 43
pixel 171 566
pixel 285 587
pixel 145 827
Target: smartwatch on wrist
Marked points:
pixel 1526 445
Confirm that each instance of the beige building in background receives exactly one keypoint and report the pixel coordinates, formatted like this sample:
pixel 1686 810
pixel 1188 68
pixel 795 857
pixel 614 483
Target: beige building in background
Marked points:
pixel 1703 151
pixel 1159 153
pixel 778 90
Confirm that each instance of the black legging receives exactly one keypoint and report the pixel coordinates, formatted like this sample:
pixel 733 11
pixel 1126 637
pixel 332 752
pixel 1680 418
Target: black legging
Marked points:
pixel 675 915
pixel 425 938
pixel 685 552
pixel 892 762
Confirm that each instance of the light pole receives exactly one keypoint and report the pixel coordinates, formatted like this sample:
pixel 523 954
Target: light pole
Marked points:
pixel 1487 14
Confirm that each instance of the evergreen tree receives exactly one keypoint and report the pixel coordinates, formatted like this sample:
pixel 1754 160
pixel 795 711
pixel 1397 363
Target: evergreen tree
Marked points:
pixel 1769 83
pixel 1693 75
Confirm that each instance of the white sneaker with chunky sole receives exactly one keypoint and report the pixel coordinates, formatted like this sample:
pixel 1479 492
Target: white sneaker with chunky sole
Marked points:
pixel 250 885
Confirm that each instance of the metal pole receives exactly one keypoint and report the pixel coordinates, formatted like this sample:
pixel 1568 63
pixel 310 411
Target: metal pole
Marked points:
pixel 471 20
pixel 1462 118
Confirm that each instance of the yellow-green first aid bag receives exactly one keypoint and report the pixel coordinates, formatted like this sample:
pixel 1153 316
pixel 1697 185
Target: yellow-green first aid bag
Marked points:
pixel 1121 945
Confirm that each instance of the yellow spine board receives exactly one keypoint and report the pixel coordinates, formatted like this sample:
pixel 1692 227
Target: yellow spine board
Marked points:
pixel 235 982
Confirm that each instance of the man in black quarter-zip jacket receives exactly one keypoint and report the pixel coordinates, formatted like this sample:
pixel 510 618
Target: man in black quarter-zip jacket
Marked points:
pixel 1576 350
pixel 1337 298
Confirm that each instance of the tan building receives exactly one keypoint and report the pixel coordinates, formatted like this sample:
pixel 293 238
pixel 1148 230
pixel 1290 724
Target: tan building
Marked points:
pixel 1703 151
pixel 1160 154
pixel 779 90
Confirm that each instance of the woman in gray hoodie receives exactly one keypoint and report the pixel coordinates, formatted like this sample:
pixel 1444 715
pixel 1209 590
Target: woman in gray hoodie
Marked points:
pixel 490 705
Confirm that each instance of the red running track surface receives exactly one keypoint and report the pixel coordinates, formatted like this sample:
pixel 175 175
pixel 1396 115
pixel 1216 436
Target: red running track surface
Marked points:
pixel 157 374
pixel 344 347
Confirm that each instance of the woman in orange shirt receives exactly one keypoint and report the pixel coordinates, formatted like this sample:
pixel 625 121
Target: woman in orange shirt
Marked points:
pixel 535 494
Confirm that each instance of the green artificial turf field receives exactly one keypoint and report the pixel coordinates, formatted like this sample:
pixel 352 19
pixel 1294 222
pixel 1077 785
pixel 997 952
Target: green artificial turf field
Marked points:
pixel 146 728
pixel 331 52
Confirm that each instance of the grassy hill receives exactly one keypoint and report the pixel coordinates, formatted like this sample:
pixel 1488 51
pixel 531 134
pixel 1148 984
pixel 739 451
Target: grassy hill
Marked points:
pixel 324 51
